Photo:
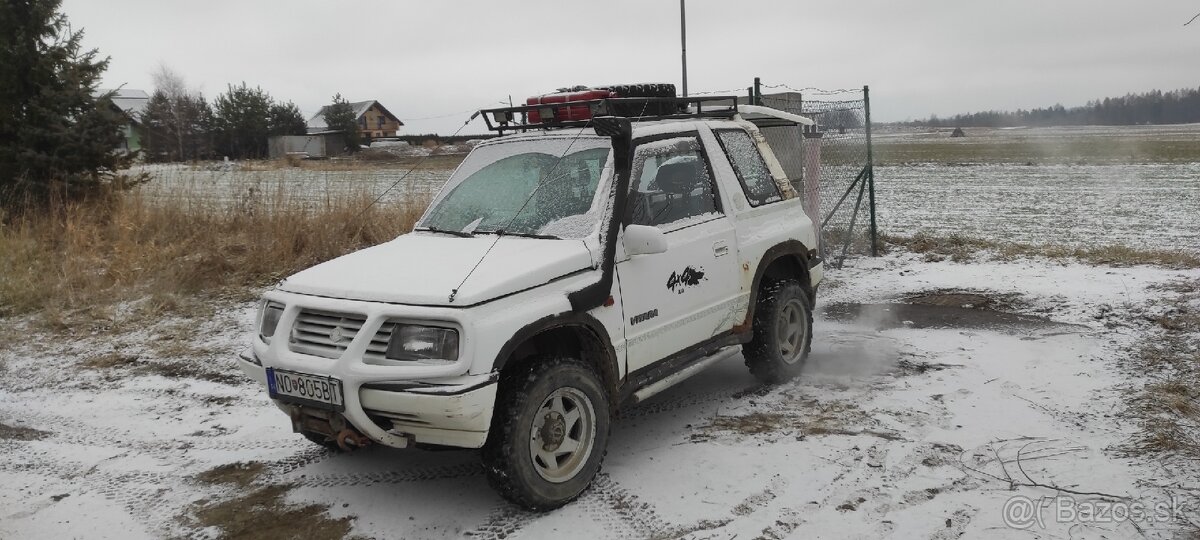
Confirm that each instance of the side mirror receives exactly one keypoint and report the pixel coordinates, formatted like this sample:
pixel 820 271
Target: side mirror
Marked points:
pixel 644 240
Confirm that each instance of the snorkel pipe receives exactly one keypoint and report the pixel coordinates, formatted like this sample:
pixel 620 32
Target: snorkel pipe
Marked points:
pixel 620 130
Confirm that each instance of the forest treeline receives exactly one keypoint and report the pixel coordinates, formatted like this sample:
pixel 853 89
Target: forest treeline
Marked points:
pixel 1153 107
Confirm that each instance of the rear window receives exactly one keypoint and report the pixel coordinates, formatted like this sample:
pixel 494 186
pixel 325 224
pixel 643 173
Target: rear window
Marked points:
pixel 757 183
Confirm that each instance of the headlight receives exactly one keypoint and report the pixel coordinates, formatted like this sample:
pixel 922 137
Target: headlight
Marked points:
pixel 269 320
pixel 413 342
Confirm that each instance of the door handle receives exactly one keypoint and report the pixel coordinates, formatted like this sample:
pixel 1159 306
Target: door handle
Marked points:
pixel 720 248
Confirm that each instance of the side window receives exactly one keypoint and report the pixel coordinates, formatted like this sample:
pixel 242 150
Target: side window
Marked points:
pixel 752 172
pixel 671 184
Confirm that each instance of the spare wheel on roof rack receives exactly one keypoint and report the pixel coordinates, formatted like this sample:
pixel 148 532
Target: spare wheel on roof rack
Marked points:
pixel 648 90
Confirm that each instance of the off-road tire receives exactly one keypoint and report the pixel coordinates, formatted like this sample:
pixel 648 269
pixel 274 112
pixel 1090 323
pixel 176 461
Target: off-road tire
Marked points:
pixel 764 355
pixel 507 460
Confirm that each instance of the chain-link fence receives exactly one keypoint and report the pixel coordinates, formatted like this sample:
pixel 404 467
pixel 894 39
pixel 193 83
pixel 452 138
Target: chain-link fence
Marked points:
pixel 833 169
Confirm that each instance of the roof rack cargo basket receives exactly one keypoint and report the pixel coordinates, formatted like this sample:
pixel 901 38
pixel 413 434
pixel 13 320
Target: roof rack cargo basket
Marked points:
pixel 554 115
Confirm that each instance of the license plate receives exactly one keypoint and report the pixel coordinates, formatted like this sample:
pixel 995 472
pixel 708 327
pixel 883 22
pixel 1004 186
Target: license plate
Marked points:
pixel 313 390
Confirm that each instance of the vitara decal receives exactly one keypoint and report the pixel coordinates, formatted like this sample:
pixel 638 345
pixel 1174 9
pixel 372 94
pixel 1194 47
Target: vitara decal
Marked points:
pixel 689 277
pixel 643 317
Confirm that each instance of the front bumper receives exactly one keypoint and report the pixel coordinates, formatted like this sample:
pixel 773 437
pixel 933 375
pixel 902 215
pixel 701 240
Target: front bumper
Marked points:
pixel 455 413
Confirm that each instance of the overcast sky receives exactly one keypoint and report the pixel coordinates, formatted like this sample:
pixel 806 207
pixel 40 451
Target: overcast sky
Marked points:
pixel 442 59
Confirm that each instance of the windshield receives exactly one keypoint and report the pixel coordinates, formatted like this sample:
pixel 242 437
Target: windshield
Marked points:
pixel 543 187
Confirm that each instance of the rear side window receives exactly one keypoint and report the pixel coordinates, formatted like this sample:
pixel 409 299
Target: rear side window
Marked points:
pixel 752 172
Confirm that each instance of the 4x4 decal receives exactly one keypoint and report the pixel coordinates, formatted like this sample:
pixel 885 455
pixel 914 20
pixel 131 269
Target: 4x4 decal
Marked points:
pixel 680 281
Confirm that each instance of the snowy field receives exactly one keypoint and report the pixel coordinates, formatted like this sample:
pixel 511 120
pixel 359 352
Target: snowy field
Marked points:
pixel 1154 205
pixel 1046 136
pixel 910 421
pixel 234 184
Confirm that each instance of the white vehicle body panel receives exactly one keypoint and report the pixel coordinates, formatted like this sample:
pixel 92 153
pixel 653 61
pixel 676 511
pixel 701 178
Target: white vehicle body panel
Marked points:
pixel 677 313
pixel 422 268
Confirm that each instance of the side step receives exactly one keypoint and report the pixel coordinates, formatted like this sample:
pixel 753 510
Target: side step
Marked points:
pixel 679 376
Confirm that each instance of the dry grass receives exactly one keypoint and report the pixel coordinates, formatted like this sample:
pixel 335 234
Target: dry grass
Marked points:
pixel 829 419
pixel 1169 408
pixel 260 512
pixel 163 255
pixel 804 417
pixel 963 248
pixel 242 474
pixel 263 514
pixel 1025 146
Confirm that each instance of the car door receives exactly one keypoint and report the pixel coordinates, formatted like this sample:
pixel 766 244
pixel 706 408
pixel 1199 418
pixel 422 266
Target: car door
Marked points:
pixel 685 295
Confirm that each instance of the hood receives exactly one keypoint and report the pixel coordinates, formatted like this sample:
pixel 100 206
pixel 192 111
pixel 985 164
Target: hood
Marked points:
pixel 422 269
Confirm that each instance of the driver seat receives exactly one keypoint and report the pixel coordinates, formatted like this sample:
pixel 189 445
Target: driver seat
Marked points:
pixel 687 190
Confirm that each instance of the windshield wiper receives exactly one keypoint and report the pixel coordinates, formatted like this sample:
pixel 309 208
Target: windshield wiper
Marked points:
pixel 502 232
pixel 444 231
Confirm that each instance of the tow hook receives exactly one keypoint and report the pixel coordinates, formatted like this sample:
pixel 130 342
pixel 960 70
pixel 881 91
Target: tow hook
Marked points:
pixel 349 440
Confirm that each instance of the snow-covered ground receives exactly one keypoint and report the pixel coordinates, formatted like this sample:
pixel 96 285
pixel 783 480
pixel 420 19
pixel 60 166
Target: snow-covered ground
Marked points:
pixel 1153 205
pixel 915 419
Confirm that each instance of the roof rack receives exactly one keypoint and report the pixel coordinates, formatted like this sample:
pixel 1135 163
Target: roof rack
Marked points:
pixel 518 118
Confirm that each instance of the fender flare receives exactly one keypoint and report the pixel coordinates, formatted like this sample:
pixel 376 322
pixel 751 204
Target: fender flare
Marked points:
pixel 788 248
pixel 610 371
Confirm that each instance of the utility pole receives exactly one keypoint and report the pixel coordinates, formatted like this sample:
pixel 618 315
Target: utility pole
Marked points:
pixel 683 42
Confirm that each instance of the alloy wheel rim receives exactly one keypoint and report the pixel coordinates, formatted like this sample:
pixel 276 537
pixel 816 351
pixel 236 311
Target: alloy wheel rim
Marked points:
pixel 562 435
pixel 792 331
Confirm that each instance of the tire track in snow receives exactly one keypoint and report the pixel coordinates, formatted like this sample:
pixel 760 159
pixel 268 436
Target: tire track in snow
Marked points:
pixel 620 512
pixel 139 493
pixel 419 474
pixel 504 521
pixel 69 430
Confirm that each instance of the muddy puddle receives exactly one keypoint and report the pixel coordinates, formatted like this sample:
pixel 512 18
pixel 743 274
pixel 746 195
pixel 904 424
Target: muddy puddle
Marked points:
pixel 946 309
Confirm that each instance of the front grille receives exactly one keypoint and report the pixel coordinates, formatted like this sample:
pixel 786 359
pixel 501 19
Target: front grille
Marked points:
pixel 324 333
pixel 377 348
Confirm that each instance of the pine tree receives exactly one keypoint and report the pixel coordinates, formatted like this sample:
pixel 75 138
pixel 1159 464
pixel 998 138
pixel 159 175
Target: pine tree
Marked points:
pixel 241 122
pixel 286 119
pixel 339 116
pixel 57 140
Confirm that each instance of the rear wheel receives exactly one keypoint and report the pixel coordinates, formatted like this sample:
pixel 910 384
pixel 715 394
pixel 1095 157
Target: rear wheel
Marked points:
pixel 782 332
pixel 549 432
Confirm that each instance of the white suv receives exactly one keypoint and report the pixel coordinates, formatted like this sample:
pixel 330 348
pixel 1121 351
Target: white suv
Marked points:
pixel 565 271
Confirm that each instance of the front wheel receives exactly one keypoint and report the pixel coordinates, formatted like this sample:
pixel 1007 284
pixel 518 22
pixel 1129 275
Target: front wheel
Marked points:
pixel 549 432
pixel 782 332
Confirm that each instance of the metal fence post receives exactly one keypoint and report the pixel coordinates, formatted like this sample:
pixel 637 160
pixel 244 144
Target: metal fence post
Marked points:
pixel 757 91
pixel 871 173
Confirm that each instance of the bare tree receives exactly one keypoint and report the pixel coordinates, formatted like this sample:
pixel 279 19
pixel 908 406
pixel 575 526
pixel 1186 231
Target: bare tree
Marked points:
pixel 174 87
pixel 178 120
pixel 169 82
